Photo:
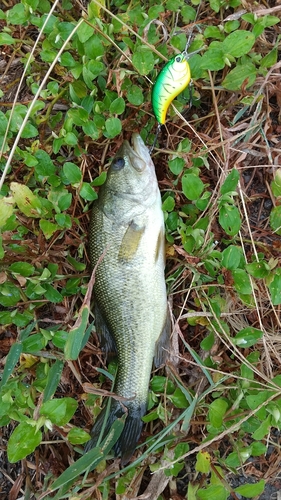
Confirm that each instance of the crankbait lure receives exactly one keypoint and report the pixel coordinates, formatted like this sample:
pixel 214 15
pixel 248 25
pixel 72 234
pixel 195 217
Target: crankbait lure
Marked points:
pixel 171 81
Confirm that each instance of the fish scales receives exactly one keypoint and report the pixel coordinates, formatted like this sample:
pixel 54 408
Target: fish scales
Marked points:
pixel 127 228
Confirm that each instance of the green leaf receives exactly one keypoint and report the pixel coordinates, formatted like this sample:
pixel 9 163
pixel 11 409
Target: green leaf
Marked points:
pixel 17 14
pixel 275 287
pixel 217 410
pixel 84 32
pixel 48 228
pixel 72 173
pixel 63 220
pixel 231 257
pixel 263 429
pixel 91 130
pixel 79 116
pixel 192 490
pixel 241 75
pixel 192 186
pixel 78 436
pixel 176 165
pixel 95 68
pixel 213 492
pixel 214 32
pixel 45 166
pixel 94 47
pixel 174 5
pixel 23 441
pixel 168 204
pixel 238 43
pixel 203 462
pixel 3 121
pixel 53 379
pixel 135 95
pixel 143 61
pixel 188 13
pixel 29 131
pixel 215 5
pixel 275 219
pixel 28 203
pixel 178 399
pixel 208 342
pixel 229 219
pixel 34 343
pixel 75 337
pixel 59 411
pixel 87 192
pixel 230 182
pixel 270 20
pixel 22 268
pixel 113 127
pixel 67 60
pixel 100 180
pixel 160 384
pixel 258 449
pixel 213 59
pixel 247 337
pixel 256 400
pixel 79 266
pixel 180 450
pixel 11 361
pixel 251 490
pixel 179 41
pixel 6 39
pixel 269 60
pixel 242 281
pixel 117 106
pixel 231 26
pixel 9 294
pixel 52 294
pixel 258 269
pixel 60 339
pixel 275 184
pixel 64 200
pixel 6 209
pixel 70 139
pixel 233 460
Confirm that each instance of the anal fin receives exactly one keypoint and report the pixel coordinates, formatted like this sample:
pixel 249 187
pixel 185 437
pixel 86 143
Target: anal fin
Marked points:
pixel 106 339
pixel 163 343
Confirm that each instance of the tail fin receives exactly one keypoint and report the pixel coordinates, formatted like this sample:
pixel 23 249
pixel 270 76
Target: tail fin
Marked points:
pixel 130 435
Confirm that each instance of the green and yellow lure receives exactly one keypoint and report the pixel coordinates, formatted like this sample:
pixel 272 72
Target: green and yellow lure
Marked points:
pixel 171 81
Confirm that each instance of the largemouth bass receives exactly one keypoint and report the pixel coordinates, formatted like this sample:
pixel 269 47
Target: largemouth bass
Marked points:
pixel 127 230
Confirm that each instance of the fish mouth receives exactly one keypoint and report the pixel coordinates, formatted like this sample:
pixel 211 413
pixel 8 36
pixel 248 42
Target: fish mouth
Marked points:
pixel 136 144
pixel 137 153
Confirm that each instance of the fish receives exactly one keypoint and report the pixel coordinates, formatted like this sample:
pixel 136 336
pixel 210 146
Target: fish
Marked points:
pixel 127 246
pixel 174 77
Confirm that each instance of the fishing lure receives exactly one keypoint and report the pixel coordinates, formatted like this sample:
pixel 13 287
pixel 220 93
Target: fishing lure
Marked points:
pixel 171 81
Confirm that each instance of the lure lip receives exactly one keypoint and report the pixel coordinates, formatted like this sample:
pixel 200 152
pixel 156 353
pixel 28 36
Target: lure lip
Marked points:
pixel 187 55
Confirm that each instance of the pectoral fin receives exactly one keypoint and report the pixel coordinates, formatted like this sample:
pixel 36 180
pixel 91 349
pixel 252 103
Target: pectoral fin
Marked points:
pixel 131 241
pixel 163 343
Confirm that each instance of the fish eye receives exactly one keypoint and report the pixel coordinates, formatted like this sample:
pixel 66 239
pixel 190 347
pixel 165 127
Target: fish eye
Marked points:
pixel 178 59
pixel 118 164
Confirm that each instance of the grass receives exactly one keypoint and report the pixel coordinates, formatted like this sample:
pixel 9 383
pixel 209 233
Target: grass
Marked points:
pixel 214 414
